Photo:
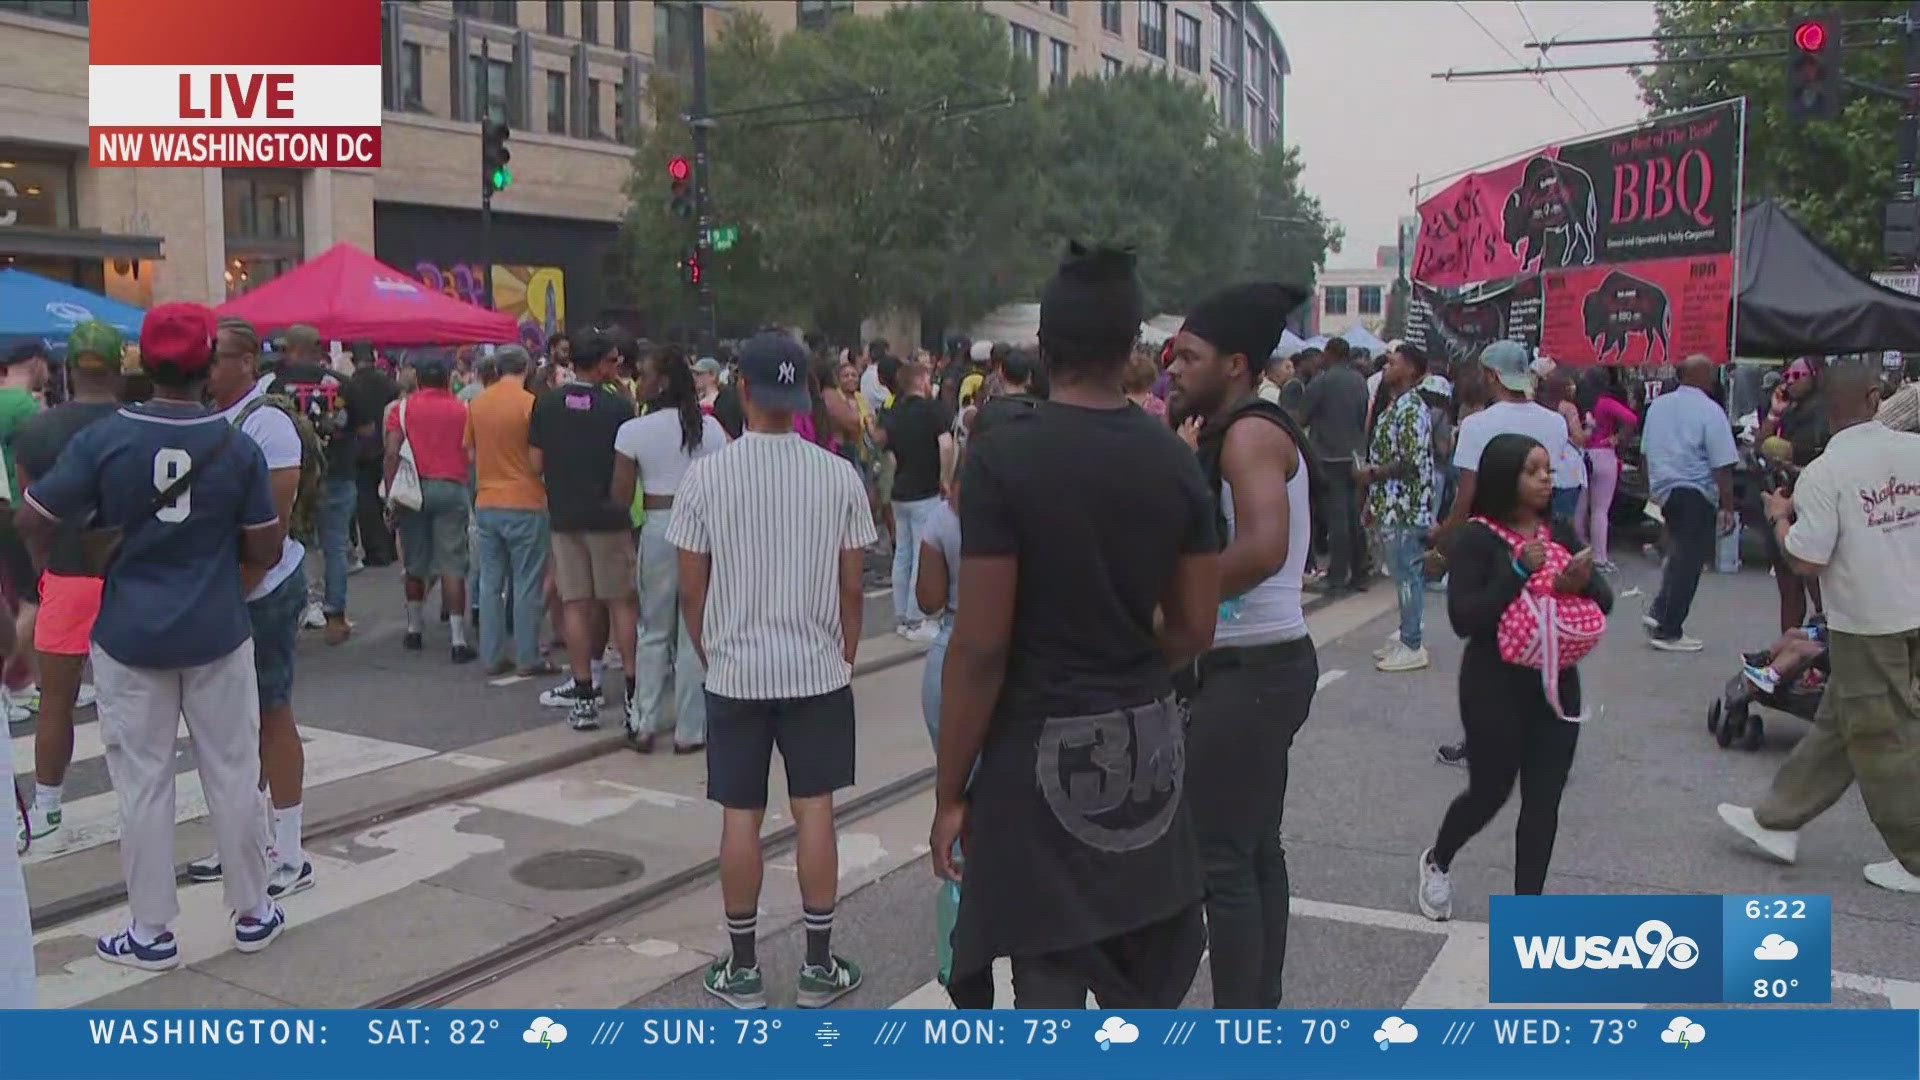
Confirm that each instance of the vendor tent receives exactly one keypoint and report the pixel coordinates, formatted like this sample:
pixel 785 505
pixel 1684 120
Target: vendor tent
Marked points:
pixel 33 308
pixel 1290 343
pixel 1359 337
pixel 1797 298
pixel 348 295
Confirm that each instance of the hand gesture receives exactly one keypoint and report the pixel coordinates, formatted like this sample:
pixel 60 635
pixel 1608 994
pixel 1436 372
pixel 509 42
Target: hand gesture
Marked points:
pixel 1573 577
pixel 1532 554
pixel 949 831
pixel 1779 504
pixel 1189 432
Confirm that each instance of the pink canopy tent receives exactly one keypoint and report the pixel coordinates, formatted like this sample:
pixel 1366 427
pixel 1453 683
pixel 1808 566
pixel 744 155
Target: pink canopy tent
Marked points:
pixel 348 295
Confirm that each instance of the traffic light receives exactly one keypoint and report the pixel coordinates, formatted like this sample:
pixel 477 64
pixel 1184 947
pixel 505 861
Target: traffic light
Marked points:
pixel 680 172
pixel 494 156
pixel 690 269
pixel 1815 89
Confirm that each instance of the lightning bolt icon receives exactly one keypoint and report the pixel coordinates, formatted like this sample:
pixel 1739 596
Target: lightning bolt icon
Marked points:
pixel 547 1040
pixel 1683 1041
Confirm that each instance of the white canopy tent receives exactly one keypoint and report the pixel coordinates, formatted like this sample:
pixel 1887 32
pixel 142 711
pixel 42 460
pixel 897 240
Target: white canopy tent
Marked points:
pixel 1360 337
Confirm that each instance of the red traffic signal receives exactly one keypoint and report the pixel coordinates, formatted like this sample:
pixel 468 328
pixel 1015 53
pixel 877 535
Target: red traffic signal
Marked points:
pixel 679 168
pixel 1810 36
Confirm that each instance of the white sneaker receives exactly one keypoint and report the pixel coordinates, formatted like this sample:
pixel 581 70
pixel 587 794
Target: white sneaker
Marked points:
pixel 20 832
pixel 1649 622
pixel 1388 647
pixel 1892 875
pixel 315 617
pixel 1404 659
pixel 1683 643
pixel 43 824
pixel 922 633
pixel 15 707
pixel 86 696
pixel 1781 844
pixel 1435 894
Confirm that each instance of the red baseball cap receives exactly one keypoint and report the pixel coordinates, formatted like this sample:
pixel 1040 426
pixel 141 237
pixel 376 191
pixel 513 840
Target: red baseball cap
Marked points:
pixel 179 335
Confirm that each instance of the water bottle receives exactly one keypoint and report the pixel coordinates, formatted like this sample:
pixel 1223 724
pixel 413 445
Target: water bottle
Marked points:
pixel 946 903
pixel 1230 610
pixel 1727 550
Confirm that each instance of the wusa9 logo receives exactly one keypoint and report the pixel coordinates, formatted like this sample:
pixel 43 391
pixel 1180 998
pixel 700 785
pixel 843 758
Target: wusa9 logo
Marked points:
pixel 1652 945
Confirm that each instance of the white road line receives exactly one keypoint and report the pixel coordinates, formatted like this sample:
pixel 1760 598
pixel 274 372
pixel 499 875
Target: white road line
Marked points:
pixel 86 744
pixel 576 801
pixel 331 756
pixel 1328 678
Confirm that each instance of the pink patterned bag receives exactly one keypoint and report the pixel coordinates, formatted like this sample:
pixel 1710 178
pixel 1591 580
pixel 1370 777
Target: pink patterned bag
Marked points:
pixel 1544 629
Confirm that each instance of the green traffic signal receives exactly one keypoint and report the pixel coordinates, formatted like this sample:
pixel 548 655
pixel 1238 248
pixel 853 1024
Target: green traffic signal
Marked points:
pixel 501 178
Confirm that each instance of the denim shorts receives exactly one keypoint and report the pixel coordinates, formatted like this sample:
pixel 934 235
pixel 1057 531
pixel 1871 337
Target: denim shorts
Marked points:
pixel 276 636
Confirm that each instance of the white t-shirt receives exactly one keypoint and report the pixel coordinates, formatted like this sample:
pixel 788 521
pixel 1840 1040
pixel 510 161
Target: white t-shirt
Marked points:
pixel 279 440
pixel 870 386
pixel 1537 422
pixel 652 443
pixel 1857 513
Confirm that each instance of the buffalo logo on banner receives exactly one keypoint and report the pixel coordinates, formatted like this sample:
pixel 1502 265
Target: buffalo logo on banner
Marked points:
pixel 1625 305
pixel 1553 213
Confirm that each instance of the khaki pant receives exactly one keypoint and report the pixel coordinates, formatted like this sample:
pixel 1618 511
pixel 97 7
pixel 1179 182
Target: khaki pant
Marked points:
pixel 1868 728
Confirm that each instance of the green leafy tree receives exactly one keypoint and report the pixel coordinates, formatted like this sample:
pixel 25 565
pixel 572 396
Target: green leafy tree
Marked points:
pixel 1831 174
pixel 1291 236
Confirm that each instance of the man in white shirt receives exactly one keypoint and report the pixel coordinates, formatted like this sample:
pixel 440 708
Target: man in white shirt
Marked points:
pixel 1854 520
pixel 1688 445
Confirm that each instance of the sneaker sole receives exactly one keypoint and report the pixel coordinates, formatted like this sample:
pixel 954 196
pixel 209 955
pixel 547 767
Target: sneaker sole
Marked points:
pixel 738 1001
pixel 1676 647
pixel 203 878
pixel 1421 666
pixel 1754 842
pixel 138 964
pixel 818 1000
pixel 261 943
pixel 1420 895
pixel 299 886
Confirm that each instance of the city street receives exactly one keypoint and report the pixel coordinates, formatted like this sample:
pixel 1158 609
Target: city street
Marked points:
pixel 451 878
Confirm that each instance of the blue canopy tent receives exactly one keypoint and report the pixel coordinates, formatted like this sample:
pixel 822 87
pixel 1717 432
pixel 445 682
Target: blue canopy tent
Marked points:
pixel 33 308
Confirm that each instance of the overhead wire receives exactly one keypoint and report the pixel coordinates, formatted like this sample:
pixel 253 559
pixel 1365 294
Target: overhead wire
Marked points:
pixel 1511 55
pixel 1568 83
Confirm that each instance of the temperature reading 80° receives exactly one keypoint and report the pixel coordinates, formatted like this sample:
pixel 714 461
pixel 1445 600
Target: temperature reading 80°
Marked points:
pixel 754 1032
pixel 1773 988
pixel 1321 1031
pixel 1046 1032
pixel 1612 1032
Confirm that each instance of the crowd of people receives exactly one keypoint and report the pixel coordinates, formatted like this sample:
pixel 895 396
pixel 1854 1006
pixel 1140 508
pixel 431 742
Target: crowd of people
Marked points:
pixel 1106 549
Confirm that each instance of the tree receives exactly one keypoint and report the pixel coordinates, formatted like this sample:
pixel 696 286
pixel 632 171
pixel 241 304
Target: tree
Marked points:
pixel 1292 237
pixel 1831 174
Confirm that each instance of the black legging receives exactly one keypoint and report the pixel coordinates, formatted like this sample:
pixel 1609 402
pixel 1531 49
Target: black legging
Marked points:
pixel 1511 734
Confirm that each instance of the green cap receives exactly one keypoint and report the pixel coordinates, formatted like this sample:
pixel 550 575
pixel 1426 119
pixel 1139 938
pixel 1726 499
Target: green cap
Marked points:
pixel 95 346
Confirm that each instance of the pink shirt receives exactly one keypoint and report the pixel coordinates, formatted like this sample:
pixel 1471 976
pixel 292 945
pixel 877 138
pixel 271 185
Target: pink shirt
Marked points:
pixel 1609 417
pixel 436 428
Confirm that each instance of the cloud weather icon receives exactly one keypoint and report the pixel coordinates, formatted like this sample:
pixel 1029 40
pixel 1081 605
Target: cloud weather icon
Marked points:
pixel 1116 1030
pixel 545 1031
pixel 1683 1031
pixel 1775 947
pixel 1395 1030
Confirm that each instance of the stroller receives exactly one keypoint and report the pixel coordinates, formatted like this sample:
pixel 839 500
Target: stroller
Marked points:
pixel 1730 717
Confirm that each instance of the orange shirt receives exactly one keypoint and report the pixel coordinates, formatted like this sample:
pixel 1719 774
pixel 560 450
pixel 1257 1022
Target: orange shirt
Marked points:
pixel 497 421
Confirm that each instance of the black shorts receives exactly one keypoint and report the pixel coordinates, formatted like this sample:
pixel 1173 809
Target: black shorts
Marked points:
pixel 815 736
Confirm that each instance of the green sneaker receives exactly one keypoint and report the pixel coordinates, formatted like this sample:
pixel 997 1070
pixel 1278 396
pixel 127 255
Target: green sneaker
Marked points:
pixel 819 987
pixel 42 823
pixel 738 987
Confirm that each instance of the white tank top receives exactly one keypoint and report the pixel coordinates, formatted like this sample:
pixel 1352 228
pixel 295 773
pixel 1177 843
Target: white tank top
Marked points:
pixel 1270 611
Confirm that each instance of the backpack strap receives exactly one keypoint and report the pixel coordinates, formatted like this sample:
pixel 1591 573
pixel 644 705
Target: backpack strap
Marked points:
pixel 1213 439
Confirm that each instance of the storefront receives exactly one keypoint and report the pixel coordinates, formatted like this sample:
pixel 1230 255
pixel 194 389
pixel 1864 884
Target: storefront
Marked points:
pixel 39 230
pixel 550 273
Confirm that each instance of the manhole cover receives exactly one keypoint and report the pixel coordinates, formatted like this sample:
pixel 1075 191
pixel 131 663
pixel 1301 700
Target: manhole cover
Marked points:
pixel 578 870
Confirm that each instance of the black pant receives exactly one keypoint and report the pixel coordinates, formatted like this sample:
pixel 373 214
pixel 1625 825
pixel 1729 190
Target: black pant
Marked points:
pixel 1148 968
pixel 1692 528
pixel 1346 541
pixel 376 542
pixel 1509 739
pixel 1249 706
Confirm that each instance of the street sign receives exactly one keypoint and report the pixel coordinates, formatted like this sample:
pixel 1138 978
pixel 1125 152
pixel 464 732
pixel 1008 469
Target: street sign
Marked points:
pixel 723 237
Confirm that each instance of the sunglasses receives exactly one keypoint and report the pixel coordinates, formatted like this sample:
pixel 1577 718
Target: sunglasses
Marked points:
pixel 1792 376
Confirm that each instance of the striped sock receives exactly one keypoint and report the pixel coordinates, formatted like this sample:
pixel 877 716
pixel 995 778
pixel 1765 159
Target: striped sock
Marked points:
pixel 741 930
pixel 819 926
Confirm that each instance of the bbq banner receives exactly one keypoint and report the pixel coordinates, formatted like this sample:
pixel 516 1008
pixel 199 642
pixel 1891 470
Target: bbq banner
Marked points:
pixel 1455 325
pixel 1639 313
pixel 1664 189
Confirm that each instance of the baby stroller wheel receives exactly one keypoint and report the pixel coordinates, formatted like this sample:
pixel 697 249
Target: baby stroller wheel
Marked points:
pixel 1756 735
pixel 1731 721
pixel 1713 717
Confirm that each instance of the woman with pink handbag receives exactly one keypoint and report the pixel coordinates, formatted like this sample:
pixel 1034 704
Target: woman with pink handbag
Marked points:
pixel 1523 594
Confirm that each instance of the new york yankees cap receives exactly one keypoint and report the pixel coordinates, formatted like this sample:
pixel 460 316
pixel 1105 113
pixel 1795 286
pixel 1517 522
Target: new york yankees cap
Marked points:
pixel 774 367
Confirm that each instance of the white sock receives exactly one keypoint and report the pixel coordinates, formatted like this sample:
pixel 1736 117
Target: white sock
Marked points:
pixel 599 669
pixel 47 796
pixel 457 629
pixel 145 934
pixel 286 835
pixel 413 615
pixel 261 913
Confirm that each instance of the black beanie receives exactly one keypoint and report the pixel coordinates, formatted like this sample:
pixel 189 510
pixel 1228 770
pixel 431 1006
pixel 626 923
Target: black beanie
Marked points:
pixel 1246 319
pixel 1092 306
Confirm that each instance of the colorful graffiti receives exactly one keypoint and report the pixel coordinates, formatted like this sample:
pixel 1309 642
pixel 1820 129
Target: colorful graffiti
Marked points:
pixel 534 295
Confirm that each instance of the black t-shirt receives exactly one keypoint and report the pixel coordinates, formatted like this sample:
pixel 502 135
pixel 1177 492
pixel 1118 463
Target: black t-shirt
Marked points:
pixel 1804 424
pixel 367 393
pixel 914 426
pixel 573 426
pixel 727 410
pixel 36 446
pixel 1079 822
pixel 998 408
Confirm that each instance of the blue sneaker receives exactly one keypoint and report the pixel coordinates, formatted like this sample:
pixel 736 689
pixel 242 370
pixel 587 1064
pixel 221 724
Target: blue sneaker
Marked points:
pixel 250 935
pixel 1762 678
pixel 162 954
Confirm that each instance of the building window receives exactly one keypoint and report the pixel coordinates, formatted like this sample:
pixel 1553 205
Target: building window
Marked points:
pixel 1186 41
pixel 35 189
pixel 1057 66
pixel 412 77
pixel 620 132
pixel 1335 301
pixel 1026 43
pixel 1369 299
pixel 590 22
pixel 594 130
pixel 1258 61
pixel 1059 7
pixel 623 26
pixel 1222 90
pixel 264 226
pixel 493 11
pixel 1110 16
pixel 74 11
pixel 1153 27
pixel 493 84
pixel 557 18
pixel 673 36
pixel 816 14
pixel 1226 46
pixel 1110 67
pixel 557 102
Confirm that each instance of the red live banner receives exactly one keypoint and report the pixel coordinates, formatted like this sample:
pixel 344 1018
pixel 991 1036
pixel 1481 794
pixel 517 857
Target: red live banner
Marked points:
pixel 234 83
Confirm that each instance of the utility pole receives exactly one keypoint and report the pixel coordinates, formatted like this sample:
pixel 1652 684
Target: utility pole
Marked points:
pixel 486 188
pixel 707 323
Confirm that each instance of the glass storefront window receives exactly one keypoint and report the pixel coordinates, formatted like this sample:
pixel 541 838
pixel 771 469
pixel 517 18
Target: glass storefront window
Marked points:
pixel 265 226
pixel 36 189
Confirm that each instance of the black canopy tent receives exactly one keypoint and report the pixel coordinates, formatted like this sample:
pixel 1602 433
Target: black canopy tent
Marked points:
pixel 1796 298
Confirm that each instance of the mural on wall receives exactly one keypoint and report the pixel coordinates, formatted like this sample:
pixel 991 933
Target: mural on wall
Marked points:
pixel 534 295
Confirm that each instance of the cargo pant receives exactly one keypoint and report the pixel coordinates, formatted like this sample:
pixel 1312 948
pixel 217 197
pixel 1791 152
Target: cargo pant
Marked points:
pixel 1868 728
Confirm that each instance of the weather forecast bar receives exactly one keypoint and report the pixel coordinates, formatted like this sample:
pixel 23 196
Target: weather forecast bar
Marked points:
pixel 1747 1044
